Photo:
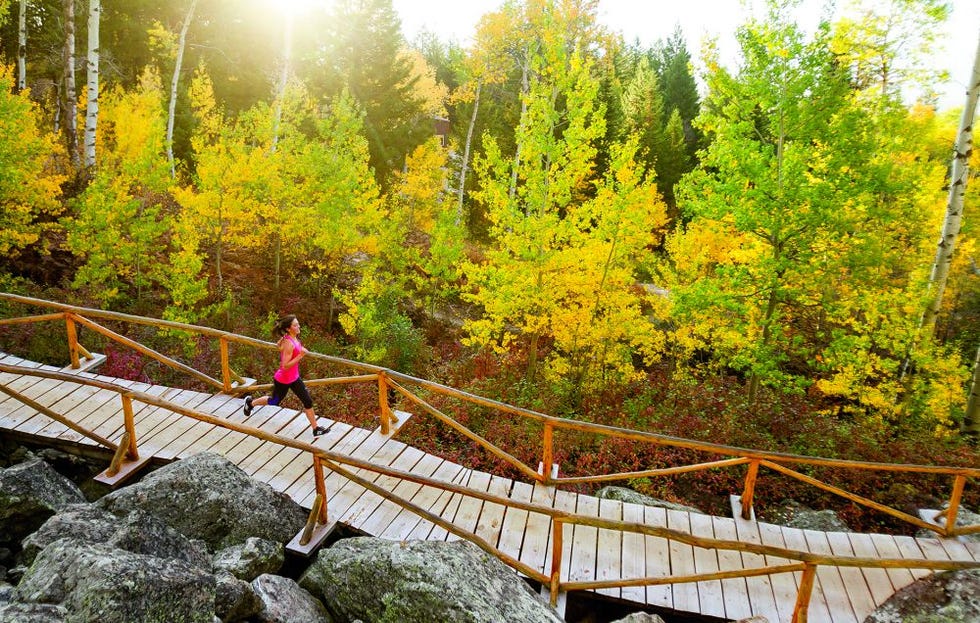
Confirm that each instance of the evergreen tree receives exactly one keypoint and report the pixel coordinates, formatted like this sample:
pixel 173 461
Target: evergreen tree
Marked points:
pixel 364 53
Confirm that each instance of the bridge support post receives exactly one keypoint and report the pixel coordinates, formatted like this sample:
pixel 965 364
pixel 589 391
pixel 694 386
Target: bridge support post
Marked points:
pixel 126 460
pixel 317 528
pixel 749 490
pixel 72 340
pixel 803 597
pixel 387 415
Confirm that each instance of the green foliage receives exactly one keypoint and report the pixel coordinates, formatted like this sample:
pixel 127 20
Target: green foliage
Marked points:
pixel 118 224
pixel 29 188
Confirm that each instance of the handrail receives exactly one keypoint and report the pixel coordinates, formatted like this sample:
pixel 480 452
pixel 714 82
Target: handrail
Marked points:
pixel 395 380
pixel 807 561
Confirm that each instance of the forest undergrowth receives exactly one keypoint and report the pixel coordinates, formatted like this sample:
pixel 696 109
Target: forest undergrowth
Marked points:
pixel 669 400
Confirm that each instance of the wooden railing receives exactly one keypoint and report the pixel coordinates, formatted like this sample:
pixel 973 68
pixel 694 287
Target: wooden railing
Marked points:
pixel 386 379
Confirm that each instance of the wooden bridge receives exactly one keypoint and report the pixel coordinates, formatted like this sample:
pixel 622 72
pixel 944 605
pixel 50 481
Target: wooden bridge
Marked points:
pixel 729 568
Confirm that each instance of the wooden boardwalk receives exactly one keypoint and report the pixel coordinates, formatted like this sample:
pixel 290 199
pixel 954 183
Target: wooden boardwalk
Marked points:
pixel 840 595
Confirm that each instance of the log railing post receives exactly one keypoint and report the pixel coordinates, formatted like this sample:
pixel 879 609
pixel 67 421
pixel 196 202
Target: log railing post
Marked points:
pixel 321 488
pixel 556 548
pixel 132 453
pixel 225 367
pixel 547 451
pixel 72 340
pixel 954 504
pixel 385 408
pixel 749 491
pixel 803 597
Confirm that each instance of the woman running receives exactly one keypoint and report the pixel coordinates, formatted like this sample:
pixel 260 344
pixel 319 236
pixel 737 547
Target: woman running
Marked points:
pixel 287 376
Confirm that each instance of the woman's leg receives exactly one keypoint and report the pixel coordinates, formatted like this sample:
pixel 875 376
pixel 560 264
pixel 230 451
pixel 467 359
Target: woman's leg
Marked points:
pixel 278 393
pixel 299 388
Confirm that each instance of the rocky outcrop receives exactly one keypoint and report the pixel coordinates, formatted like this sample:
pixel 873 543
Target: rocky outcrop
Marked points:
pixel 950 597
pixel 30 493
pixel 250 559
pixel 283 601
pixel 32 613
pixel 420 581
pixel 96 583
pixel 139 532
pixel 207 497
pixel 624 494
pixel 792 514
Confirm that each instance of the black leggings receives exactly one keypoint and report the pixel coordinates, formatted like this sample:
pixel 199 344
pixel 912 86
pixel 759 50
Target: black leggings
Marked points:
pixel 299 388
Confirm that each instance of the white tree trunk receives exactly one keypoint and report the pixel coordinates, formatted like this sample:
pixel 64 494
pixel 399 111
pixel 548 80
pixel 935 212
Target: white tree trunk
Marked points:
pixel 68 96
pixel 466 154
pixel 971 423
pixel 92 90
pixel 954 206
pixel 22 47
pixel 173 86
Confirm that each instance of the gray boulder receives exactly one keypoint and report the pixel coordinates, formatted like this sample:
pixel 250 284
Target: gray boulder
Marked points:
pixel 792 514
pixel 30 492
pixel 83 522
pixel 32 613
pixel 950 597
pixel 138 532
pixel 96 583
pixel 964 517
pixel 250 559
pixel 283 601
pixel 420 581
pixel 640 617
pixel 207 497
pixel 234 599
pixel 624 494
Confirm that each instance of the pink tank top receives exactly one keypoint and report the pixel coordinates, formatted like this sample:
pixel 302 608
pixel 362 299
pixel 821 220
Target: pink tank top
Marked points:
pixel 290 374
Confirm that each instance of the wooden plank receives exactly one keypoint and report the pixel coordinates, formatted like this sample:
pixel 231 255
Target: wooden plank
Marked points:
pixel 784 586
pixel 343 443
pixel 245 448
pixel 609 554
pixel 112 422
pixel 633 555
pixel 159 418
pixel 88 415
pixel 877 579
pixel 23 414
pixel 856 581
pixel 218 405
pixel 492 514
pixel 468 513
pixel 397 455
pixel 429 498
pixel 734 590
pixel 219 440
pixel 658 559
pixel 760 588
pixel 379 450
pixel 585 540
pixel 840 598
pixel 706 561
pixel 536 549
pixel 682 563
pixel 909 548
pixel 819 610
pixel 956 549
pixel 515 520
pixel 974 548
pixel 886 547
pixel 72 406
pixel 445 506
pixel 422 464
pixel 168 435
